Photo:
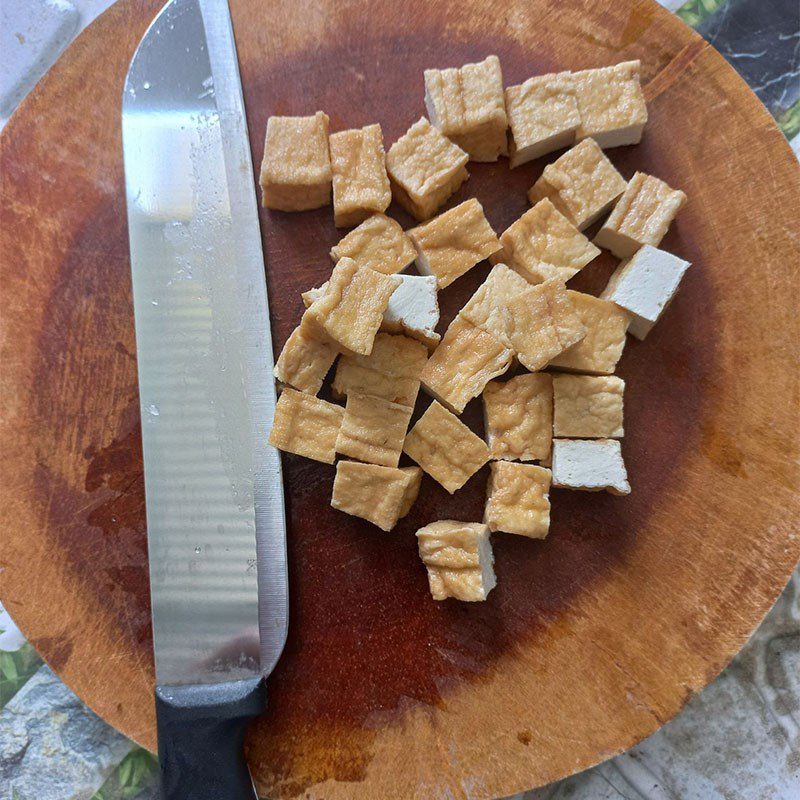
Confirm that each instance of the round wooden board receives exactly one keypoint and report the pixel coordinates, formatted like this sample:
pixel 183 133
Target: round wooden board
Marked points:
pixel 594 637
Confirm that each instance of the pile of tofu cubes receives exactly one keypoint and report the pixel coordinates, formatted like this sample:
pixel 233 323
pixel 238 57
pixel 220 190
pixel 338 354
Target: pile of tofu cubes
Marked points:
pixel 559 422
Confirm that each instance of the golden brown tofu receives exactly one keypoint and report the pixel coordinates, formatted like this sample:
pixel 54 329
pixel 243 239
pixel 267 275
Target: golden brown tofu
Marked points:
pixel 380 495
pixel 454 242
pixel 459 559
pixel 487 307
pixel 306 426
pixel 600 350
pixel 305 359
pixel 425 168
pixel 582 184
pixel 544 244
pixel 468 107
pixel 641 216
pixel 587 406
pixel 360 182
pixel 466 359
pixel 378 243
pixel 518 416
pixel 373 429
pixel 296 170
pixel 445 447
pixel 541 323
pixel 517 499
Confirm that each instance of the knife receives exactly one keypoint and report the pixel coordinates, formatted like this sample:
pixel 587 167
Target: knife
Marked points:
pixel 216 529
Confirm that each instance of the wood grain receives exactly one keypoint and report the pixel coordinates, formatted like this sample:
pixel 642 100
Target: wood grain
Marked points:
pixel 594 637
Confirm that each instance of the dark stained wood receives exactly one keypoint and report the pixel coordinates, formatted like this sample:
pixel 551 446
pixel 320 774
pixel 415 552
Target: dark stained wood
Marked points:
pixel 594 637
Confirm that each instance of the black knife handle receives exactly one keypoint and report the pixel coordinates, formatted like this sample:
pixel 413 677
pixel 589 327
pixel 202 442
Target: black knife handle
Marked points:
pixel 200 737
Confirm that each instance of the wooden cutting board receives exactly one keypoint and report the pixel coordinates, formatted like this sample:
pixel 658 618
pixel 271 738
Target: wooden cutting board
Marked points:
pixel 594 637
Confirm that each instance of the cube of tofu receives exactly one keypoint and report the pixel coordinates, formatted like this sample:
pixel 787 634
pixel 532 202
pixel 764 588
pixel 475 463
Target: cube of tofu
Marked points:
pixel 413 309
pixel 517 499
pixel 445 447
pixel 425 168
pixel 296 170
pixel 350 311
pixel 644 285
pixel 592 465
pixel 373 429
pixel 543 116
pixel 360 182
pixel 611 104
pixel 459 559
pixel 487 307
pixel 587 406
pixel 468 107
pixel 378 243
pixel 518 417
pixel 641 216
pixel 454 242
pixel 305 359
pixel 392 370
pixel 306 426
pixel 466 359
pixel 380 495
pixel 542 322
pixel 582 184
pixel 600 350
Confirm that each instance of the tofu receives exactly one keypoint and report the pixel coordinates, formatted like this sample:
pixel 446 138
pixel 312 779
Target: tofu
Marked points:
pixel 582 184
pixel 296 169
pixel 425 168
pixel 644 285
pixel 543 116
pixel 542 322
pixel 413 309
pixel 380 495
pixel 391 371
pixel 468 106
pixel 591 465
pixel 360 183
pixel 306 426
pixel 350 311
pixel 543 244
pixel 611 104
pixel 459 559
pixel 378 243
pixel 445 447
pixel 454 242
pixel 487 307
pixel 641 216
pixel 587 406
pixel 466 359
pixel 517 499
pixel 305 359
pixel 518 417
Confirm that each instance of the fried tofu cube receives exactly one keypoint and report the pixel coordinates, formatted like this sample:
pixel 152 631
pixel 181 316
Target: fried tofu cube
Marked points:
pixel 487 307
pixel 380 495
pixel 378 243
pixel 425 168
pixel 296 170
pixel 459 559
pixel 641 216
pixel 413 309
pixel 467 105
pixel 306 426
pixel 541 323
pixel 582 184
pixel 454 242
pixel 518 417
pixel 587 406
pixel 644 285
pixel 517 499
pixel 305 359
pixel 360 182
pixel 445 447
pixel 373 429
pixel 543 116
pixel 611 104
pixel 466 359
pixel 600 350
pixel 592 465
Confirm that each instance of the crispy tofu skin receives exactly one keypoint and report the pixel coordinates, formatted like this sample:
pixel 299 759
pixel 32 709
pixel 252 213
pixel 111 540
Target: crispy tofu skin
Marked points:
pixel 517 499
pixel 373 430
pixel 306 426
pixel 378 243
pixel 590 465
pixel 487 307
pixel 588 406
pixel 305 359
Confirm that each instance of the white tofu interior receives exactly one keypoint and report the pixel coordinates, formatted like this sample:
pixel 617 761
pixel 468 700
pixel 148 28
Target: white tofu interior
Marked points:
pixel 413 308
pixel 589 464
pixel 486 560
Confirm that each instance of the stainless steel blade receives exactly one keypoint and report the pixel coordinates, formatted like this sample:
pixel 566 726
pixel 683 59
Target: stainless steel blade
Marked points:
pixel 215 517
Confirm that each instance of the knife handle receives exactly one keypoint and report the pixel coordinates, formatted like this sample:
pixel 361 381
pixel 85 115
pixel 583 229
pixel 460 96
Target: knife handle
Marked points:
pixel 200 737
